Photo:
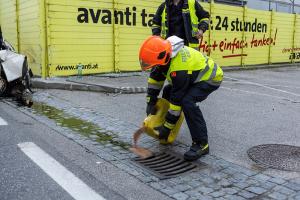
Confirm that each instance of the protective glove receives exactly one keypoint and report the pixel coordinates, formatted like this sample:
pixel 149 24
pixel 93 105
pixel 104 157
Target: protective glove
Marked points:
pixel 151 102
pixel 151 109
pixel 164 132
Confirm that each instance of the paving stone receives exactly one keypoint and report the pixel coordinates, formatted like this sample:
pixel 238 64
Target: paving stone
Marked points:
pixel 204 190
pixel 207 180
pixel 229 171
pixel 144 179
pixel 242 185
pixel 261 177
pixel 218 176
pixel 283 190
pixel 246 171
pixel 177 180
pixel 192 193
pixel 296 196
pixel 230 190
pixel 192 198
pixel 251 181
pixel 194 183
pixel 293 186
pixel 234 197
pixel 215 187
pixel 267 185
pixel 240 177
pixel 246 194
pixel 220 198
pixel 169 191
pixel 277 196
pixel 233 180
pixel 225 183
pixel 296 180
pixel 168 182
pixel 256 190
pixel 180 196
pixel 277 180
pixel 195 194
pixel 182 187
pixel 217 194
pixel 157 185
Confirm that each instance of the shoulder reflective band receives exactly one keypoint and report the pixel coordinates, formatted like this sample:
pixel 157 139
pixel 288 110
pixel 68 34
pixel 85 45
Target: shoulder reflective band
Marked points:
pixel 201 73
pixel 175 113
pixel 164 24
pixel 169 125
pixel 194 46
pixel 152 81
pixel 154 86
pixel 155 26
pixel 213 74
pixel 206 20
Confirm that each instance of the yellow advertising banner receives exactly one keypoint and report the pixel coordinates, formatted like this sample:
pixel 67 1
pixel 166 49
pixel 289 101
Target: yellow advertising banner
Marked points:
pixel 63 37
pixel 8 21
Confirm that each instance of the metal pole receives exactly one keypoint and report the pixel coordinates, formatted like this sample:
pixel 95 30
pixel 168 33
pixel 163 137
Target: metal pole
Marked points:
pixel 269 5
pixel 293 5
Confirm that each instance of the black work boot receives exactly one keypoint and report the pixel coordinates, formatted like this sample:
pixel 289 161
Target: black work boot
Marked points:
pixel 196 151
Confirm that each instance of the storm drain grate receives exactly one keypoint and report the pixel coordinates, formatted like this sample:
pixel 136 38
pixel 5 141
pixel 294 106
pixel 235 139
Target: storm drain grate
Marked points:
pixel 165 165
pixel 276 156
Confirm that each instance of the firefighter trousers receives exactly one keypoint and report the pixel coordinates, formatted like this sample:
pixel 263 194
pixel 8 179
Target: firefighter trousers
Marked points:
pixel 193 115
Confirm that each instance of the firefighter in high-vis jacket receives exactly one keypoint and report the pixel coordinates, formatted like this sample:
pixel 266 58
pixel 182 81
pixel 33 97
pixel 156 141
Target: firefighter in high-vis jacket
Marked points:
pixel 192 77
pixel 185 19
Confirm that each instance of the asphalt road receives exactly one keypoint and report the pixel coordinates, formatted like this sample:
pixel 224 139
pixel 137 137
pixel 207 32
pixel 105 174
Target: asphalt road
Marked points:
pixel 36 162
pixel 250 108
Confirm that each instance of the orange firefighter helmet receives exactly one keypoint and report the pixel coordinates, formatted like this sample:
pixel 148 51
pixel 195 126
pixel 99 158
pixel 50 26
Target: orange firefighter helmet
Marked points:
pixel 154 51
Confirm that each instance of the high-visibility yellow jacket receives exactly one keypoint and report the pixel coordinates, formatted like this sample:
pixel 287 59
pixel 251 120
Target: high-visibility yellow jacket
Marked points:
pixel 194 18
pixel 187 68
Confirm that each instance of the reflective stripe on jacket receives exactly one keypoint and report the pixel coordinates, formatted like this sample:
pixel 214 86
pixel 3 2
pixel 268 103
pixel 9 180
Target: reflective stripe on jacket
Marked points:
pixel 192 60
pixel 190 22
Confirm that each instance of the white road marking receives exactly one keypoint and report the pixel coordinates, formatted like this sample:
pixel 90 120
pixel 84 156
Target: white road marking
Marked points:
pixel 3 122
pixel 261 85
pixel 261 94
pixel 67 180
pixel 270 85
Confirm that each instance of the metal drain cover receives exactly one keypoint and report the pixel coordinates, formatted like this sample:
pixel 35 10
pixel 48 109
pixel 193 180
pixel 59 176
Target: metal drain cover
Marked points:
pixel 166 165
pixel 276 156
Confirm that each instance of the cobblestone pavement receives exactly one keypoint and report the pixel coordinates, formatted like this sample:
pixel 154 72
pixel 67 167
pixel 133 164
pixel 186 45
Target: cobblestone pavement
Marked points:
pixel 219 179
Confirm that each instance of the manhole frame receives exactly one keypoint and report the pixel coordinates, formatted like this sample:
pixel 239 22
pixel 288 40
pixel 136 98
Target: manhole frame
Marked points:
pixel 268 165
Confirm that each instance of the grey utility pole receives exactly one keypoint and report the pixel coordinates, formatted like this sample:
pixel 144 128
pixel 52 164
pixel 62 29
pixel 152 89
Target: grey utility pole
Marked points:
pixel 293 5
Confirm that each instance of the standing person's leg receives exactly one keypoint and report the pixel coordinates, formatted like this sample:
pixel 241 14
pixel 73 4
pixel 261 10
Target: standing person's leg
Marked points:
pixel 195 119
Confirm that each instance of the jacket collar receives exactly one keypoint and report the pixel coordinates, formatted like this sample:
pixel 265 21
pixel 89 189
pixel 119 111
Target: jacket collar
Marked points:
pixel 177 44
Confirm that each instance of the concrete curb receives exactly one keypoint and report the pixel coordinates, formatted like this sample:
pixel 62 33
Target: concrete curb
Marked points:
pixel 77 86
pixel 74 85
pixel 110 89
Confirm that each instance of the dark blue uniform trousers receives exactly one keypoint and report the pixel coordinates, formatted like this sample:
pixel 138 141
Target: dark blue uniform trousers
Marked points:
pixel 193 115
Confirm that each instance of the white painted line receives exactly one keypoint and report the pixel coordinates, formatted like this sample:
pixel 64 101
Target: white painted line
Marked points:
pixel 67 180
pixel 257 93
pixel 261 85
pixel 271 85
pixel 3 122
